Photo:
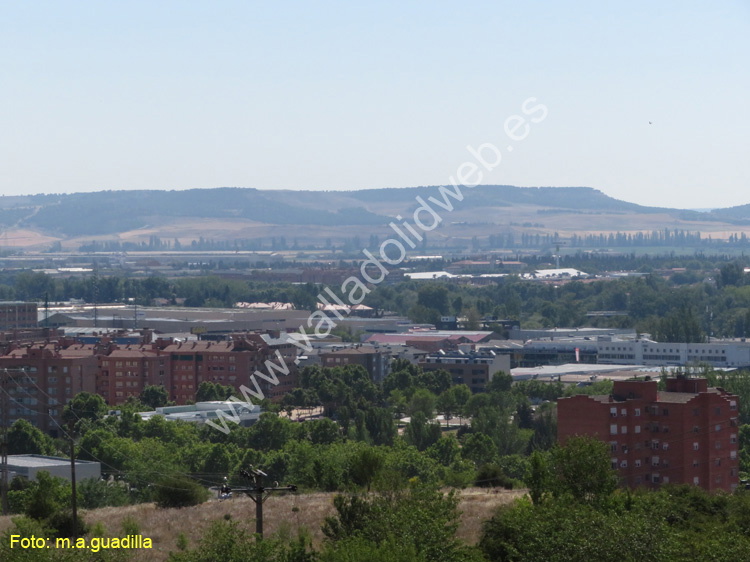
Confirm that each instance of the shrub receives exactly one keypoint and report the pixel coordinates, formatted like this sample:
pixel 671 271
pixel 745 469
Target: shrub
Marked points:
pixel 179 491
pixel 491 476
pixel 62 523
pixel 130 526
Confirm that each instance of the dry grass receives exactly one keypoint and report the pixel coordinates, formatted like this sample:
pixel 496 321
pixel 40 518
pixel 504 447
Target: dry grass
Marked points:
pixel 163 526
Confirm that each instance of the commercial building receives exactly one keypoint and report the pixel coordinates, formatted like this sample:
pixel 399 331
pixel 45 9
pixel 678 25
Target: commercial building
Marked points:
pixel 29 466
pixel 643 351
pixel 472 368
pixel 684 435
pixel 235 412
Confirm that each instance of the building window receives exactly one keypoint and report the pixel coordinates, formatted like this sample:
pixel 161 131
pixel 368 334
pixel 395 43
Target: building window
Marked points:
pixel 733 455
pixel 624 429
pixel 695 411
pixel 637 411
pixel 696 429
pixel 695 446
pixel 623 412
pixel 613 412
pixel 717 445
pixel 638 463
pixel 717 411
pixel 717 427
pixel 665 412
pixel 665 446
pixel 613 446
pixel 696 480
pixel 623 464
pixel 733 405
pixel 733 438
pixel 614 464
pixel 695 463
pixel 637 428
pixel 613 429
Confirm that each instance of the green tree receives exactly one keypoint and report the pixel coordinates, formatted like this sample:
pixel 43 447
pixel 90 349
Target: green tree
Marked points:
pixel 420 432
pixel 538 477
pixel 434 296
pixel 422 401
pixel 47 497
pixel 421 516
pixel 447 404
pixel 84 406
pixel 479 448
pixel 365 466
pixel 154 396
pixel 25 439
pixel 582 469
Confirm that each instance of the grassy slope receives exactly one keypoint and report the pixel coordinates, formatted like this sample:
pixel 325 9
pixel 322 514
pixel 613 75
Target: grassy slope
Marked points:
pixel 164 525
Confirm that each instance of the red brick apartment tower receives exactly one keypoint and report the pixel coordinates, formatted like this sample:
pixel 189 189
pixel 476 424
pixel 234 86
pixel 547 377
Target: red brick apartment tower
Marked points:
pixel 43 377
pixel 686 434
pixel 125 371
pixel 229 363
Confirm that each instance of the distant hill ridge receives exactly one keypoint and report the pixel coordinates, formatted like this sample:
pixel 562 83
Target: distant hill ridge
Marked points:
pixel 109 212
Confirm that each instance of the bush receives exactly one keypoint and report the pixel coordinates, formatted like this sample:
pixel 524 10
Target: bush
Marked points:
pixel 492 476
pixel 62 523
pixel 179 491
pixel 95 493
pixel 130 526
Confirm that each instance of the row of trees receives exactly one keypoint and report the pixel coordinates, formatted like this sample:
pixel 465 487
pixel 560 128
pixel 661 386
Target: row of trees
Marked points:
pixel 710 297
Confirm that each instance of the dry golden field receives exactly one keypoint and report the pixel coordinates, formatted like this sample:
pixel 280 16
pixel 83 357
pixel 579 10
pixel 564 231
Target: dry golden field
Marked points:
pixel 163 526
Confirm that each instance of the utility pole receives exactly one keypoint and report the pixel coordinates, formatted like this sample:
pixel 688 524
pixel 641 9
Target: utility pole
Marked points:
pixel 5 378
pixel 259 494
pixel 73 499
pixel 4 442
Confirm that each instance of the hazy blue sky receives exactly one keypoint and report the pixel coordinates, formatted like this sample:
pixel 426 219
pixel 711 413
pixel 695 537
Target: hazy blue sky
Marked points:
pixel 346 95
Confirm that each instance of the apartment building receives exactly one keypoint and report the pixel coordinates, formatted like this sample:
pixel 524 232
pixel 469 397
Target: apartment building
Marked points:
pixel 376 362
pixel 231 363
pixel 686 434
pixel 472 368
pixel 41 378
pixel 16 315
pixel 124 371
